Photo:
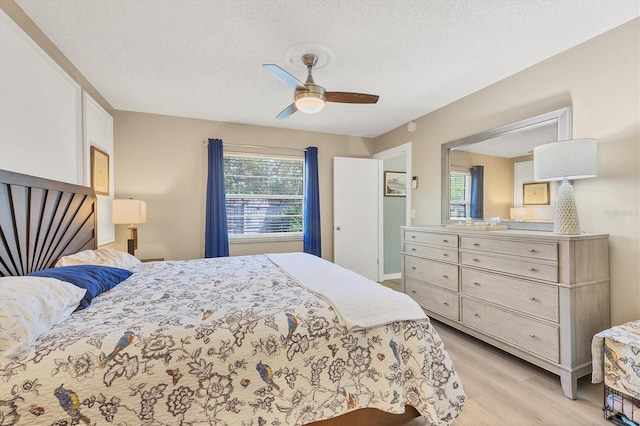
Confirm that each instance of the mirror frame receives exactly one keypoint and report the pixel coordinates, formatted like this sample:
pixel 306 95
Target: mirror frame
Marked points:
pixel 564 119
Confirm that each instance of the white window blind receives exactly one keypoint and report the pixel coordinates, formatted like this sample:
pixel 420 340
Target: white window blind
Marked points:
pixel 460 194
pixel 264 195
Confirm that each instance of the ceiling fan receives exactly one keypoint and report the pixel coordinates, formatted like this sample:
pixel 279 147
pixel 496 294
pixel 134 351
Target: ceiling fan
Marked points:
pixel 308 96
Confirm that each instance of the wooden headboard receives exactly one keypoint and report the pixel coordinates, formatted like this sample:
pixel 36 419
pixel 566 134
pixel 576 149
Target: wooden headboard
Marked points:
pixel 42 220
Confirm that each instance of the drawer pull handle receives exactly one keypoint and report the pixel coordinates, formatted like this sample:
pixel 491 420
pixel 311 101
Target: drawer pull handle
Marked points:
pixel 413 236
pixel 533 299
pixel 413 249
pixel 533 251
pixel 475 259
pixel 445 303
pixel 413 267
pixel 476 283
pixel 533 336
pixel 445 254
pixel 476 244
pixel 413 291
pixel 533 270
pixel 445 241
pixel 445 276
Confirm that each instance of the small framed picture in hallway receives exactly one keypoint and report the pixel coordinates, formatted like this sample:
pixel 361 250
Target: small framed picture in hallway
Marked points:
pixel 395 184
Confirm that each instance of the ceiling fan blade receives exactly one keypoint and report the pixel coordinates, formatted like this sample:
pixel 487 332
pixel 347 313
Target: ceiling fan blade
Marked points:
pixel 287 78
pixel 351 98
pixel 287 111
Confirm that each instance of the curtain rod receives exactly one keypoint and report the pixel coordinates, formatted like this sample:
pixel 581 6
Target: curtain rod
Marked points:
pixel 241 145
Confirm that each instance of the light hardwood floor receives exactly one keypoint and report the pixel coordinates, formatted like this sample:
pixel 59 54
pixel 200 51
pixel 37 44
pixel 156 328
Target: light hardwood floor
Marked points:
pixel 503 390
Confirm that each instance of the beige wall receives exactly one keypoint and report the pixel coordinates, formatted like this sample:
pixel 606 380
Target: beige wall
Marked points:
pixel 600 79
pixel 163 161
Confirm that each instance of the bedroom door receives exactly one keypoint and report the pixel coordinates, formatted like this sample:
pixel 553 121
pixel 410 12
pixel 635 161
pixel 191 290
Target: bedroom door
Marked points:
pixel 355 214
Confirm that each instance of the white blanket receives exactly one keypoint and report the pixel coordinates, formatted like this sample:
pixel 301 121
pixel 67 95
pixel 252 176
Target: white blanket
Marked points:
pixel 360 302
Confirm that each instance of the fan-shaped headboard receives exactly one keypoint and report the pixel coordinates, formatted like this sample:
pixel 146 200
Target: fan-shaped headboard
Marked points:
pixel 42 220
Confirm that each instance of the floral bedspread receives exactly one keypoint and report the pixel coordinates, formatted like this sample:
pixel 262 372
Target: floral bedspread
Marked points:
pixel 231 341
pixel 616 358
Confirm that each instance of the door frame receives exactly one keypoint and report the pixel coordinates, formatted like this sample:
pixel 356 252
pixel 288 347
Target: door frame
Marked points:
pixel 390 153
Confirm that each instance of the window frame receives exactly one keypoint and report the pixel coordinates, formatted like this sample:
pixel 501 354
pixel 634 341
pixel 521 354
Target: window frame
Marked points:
pixel 273 236
pixel 466 202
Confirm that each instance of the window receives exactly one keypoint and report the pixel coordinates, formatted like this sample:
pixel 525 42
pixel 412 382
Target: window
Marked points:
pixel 264 195
pixel 459 194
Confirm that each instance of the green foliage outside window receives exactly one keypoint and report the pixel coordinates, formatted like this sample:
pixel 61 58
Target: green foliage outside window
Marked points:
pixel 264 194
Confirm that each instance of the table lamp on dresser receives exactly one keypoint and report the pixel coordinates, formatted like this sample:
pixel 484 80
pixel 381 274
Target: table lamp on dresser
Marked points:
pixel 565 161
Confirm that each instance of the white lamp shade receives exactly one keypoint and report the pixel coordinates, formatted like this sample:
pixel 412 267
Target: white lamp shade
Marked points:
pixel 129 211
pixel 573 159
pixel 309 103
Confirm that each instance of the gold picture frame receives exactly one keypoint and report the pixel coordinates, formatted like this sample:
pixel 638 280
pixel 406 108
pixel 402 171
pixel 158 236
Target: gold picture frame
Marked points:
pixel 535 194
pixel 99 171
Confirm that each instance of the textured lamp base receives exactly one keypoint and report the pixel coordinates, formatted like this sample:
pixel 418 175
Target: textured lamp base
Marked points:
pixel 566 220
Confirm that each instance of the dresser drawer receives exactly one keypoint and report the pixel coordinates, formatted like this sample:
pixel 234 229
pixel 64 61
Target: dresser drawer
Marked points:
pixel 531 335
pixel 532 298
pixel 540 271
pixel 447 240
pixel 432 252
pixel 444 274
pixel 433 298
pixel 533 249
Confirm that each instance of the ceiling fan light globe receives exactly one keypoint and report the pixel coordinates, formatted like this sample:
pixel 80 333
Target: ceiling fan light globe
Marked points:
pixel 310 104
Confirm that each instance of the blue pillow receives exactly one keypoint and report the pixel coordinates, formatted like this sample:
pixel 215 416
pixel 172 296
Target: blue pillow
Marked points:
pixel 96 279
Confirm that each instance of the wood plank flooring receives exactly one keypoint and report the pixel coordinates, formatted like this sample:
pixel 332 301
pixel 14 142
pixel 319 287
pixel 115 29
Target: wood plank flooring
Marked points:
pixel 503 390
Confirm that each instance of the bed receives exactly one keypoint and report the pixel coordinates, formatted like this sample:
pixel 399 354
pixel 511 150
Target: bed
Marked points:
pixel 226 341
pixel 616 362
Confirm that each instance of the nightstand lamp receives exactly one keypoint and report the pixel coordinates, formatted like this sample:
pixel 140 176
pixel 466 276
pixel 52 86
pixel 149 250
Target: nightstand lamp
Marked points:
pixel 130 212
pixel 565 161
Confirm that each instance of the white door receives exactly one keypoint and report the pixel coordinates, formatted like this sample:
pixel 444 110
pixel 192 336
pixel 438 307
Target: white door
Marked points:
pixel 355 214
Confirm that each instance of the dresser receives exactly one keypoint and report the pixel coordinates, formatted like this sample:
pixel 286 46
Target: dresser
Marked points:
pixel 537 295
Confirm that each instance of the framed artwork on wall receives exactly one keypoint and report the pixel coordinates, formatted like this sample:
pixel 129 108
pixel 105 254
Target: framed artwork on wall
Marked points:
pixel 535 194
pixel 395 184
pixel 99 171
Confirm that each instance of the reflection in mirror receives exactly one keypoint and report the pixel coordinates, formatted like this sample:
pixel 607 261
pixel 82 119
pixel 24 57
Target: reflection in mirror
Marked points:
pixel 490 174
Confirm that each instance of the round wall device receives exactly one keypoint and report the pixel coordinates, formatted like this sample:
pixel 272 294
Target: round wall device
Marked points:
pixel 411 126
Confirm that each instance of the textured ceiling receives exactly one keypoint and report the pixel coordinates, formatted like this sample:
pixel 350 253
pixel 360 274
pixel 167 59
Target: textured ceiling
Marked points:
pixel 202 59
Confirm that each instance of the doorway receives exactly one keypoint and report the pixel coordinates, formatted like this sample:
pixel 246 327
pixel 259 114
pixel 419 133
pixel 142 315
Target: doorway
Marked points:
pixel 393 212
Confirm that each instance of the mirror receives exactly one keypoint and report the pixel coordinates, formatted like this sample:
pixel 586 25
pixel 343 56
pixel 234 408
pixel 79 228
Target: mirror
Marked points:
pixel 506 154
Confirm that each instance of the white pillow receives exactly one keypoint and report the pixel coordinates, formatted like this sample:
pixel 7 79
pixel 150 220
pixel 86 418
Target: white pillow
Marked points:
pixel 106 257
pixel 30 306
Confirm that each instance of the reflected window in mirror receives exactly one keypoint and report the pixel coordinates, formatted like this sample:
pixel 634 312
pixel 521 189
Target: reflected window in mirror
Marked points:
pixel 460 196
pixel 466 197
